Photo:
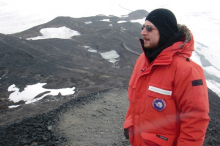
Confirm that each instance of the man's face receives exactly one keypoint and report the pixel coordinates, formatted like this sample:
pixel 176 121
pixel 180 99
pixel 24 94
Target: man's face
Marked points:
pixel 151 38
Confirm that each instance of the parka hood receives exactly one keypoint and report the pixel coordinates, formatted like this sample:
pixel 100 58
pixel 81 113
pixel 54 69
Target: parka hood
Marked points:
pixel 185 33
pixel 183 48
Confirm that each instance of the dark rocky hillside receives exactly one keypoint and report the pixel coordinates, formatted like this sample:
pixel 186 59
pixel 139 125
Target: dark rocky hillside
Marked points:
pixel 64 63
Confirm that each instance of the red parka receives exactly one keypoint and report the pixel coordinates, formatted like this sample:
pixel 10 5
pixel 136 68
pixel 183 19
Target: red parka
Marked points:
pixel 168 98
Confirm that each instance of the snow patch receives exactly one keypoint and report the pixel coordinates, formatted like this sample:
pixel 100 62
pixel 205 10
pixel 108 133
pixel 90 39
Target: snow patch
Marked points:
pixel 61 33
pixel 88 22
pixel 111 56
pixel 90 49
pixel 210 56
pixel 213 71
pixel 106 20
pixel 141 21
pixel 214 86
pixel 13 106
pixel 31 91
pixel 121 21
pixel 122 28
pixel 196 58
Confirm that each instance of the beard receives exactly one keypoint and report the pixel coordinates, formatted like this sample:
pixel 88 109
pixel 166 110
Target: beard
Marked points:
pixel 150 46
pixel 150 43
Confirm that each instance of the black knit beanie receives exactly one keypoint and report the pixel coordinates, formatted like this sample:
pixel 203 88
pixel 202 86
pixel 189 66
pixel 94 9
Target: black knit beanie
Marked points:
pixel 166 23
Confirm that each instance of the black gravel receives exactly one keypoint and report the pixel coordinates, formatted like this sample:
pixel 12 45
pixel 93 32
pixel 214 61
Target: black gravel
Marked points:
pixel 37 130
pixel 40 130
pixel 213 131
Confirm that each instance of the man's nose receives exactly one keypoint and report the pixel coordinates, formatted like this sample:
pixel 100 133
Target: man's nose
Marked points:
pixel 144 32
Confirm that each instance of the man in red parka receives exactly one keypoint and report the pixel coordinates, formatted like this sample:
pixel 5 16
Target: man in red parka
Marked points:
pixel 168 97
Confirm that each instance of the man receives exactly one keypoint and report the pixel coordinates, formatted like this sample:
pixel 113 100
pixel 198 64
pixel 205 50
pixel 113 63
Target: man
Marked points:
pixel 168 98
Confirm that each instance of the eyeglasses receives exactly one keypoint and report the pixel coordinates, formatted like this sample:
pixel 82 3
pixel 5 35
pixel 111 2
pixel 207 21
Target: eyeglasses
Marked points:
pixel 148 28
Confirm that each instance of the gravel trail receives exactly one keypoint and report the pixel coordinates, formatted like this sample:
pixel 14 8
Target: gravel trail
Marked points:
pixel 98 122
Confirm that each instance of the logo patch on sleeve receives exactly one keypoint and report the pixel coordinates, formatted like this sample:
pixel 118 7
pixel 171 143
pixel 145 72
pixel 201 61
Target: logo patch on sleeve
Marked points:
pixel 197 82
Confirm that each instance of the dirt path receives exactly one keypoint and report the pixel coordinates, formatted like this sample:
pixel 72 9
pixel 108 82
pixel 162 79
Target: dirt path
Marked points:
pixel 97 123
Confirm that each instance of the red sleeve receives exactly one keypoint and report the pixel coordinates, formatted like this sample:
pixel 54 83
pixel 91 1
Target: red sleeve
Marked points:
pixel 191 95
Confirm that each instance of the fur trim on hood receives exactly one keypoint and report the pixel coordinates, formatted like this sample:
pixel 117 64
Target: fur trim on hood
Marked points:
pixel 185 32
